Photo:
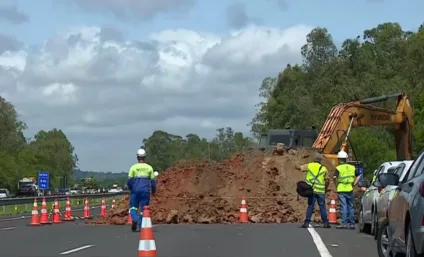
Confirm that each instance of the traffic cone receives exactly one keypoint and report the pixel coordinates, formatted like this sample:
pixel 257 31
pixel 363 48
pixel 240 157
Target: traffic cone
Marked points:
pixel 243 211
pixel 146 245
pixel 103 210
pixel 44 218
pixel 129 222
pixel 86 214
pixel 56 214
pixel 68 211
pixel 35 219
pixel 113 203
pixel 332 213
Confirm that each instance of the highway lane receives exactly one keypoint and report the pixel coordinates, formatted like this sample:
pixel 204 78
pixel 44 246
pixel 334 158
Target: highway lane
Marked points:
pixel 244 240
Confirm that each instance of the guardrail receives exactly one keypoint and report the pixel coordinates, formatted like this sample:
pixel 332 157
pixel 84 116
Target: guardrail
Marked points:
pixel 30 200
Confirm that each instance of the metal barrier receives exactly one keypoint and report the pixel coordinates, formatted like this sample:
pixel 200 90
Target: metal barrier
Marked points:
pixel 30 200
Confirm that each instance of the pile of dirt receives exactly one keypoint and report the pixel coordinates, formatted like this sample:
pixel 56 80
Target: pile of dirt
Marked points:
pixel 211 192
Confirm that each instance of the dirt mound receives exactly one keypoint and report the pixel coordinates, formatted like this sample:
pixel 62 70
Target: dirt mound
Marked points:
pixel 211 192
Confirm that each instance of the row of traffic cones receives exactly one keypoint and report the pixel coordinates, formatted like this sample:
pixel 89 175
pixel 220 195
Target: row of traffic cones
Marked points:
pixel 43 219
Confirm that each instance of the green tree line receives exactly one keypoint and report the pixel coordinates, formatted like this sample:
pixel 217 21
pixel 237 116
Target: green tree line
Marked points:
pixel 383 60
pixel 165 149
pixel 21 157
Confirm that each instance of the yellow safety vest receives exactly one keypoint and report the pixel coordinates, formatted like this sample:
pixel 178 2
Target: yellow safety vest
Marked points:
pixel 346 177
pixel 315 177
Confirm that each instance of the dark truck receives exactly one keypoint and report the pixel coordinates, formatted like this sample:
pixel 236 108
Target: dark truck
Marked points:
pixel 291 138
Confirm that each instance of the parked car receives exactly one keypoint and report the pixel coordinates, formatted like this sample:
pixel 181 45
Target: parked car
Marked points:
pixel 402 230
pixel 367 219
pixel 386 195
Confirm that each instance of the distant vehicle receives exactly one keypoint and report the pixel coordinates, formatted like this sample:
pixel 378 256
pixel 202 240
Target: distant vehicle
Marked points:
pixel 402 231
pixel 291 138
pixel 4 193
pixel 367 220
pixel 27 187
pixel 64 192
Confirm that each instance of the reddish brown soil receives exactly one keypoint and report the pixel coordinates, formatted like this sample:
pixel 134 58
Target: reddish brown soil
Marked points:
pixel 211 192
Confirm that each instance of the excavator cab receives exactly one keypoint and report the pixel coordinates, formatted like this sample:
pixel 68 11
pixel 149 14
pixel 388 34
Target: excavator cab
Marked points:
pixel 291 138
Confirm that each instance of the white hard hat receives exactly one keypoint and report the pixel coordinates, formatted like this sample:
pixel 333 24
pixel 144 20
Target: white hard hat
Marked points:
pixel 141 153
pixel 342 155
pixel 156 173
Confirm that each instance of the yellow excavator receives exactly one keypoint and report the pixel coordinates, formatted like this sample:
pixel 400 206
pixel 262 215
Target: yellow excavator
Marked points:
pixel 344 117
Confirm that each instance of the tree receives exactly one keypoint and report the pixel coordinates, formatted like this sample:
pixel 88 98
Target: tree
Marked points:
pixel 164 149
pixel 384 60
pixel 49 151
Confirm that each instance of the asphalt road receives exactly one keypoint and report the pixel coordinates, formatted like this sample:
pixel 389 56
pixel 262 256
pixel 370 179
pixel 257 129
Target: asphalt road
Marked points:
pixel 77 239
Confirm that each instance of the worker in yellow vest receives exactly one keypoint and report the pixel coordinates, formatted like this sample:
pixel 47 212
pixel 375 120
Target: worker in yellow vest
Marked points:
pixel 315 177
pixel 346 176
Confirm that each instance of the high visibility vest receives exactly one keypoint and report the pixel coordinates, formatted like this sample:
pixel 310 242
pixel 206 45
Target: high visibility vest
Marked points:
pixel 346 177
pixel 315 177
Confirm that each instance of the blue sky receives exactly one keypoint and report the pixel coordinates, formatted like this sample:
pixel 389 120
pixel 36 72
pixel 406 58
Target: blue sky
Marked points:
pixel 342 18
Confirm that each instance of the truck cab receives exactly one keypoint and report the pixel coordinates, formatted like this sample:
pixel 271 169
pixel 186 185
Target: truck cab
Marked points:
pixel 27 187
pixel 291 138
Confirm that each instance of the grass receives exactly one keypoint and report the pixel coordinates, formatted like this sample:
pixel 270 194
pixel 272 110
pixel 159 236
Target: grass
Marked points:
pixel 76 203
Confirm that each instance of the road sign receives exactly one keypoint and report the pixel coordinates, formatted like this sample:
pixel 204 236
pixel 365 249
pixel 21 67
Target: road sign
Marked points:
pixel 43 179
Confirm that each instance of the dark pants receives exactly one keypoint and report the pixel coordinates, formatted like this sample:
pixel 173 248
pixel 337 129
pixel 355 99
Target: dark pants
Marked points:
pixel 320 198
pixel 346 207
pixel 137 202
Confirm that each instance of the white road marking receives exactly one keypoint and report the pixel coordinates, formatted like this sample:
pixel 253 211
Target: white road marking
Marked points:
pixel 5 229
pixel 76 249
pixel 322 249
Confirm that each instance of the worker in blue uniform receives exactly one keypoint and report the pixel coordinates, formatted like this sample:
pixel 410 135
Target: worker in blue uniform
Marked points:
pixel 141 178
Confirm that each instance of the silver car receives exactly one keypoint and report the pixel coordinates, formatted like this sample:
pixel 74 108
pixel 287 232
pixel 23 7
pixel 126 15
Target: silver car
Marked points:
pixel 386 195
pixel 402 230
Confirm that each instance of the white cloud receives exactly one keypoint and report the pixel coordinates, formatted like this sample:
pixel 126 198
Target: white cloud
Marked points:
pixel 107 94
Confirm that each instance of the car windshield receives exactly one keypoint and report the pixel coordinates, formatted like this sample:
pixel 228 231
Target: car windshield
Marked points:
pixel 25 184
pixel 274 139
pixel 3 191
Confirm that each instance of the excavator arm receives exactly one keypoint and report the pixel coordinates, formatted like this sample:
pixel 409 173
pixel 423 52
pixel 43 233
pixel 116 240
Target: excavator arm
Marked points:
pixel 355 114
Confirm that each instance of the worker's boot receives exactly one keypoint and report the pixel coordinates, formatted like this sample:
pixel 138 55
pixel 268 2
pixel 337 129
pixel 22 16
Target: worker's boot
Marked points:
pixel 327 225
pixel 134 226
pixel 343 226
pixel 305 225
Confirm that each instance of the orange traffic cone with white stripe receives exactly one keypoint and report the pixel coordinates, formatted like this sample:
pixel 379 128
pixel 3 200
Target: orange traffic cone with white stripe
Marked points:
pixel 68 211
pixel 56 214
pixel 113 203
pixel 35 219
pixel 129 221
pixel 332 213
pixel 103 210
pixel 44 217
pixel 243 211
pixel 146 245
pixel 86 214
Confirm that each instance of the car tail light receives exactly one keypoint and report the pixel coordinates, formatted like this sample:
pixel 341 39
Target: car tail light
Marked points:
pixel 422 189
pixel 379 189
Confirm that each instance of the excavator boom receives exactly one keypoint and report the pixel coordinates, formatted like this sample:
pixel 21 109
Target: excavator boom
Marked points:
pixel 362 114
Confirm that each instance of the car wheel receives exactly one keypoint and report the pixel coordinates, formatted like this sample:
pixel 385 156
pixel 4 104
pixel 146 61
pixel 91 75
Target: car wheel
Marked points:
pixel 410 246
pixel 384 246
pixel 363 228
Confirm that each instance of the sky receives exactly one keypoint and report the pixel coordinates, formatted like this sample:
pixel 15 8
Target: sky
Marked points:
pixel 110 72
